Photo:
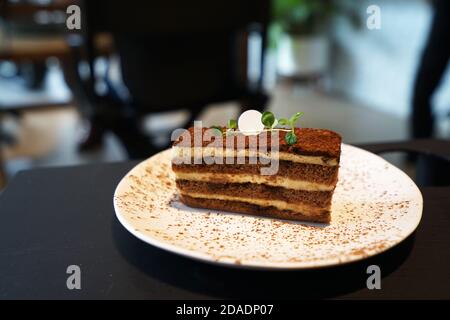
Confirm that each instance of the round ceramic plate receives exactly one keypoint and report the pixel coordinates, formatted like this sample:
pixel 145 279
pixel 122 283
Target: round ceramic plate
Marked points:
pixel 375 206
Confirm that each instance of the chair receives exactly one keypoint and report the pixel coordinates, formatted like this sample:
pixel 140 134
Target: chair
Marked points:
pixel 32 48
pixel 174 55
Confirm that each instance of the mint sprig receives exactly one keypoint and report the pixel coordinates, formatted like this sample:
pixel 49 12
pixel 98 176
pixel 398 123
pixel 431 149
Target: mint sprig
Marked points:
pixel 268 119
pixel 290 138
pixel 232 124
pixel 217 129
pixel 270 122
pixel 294 118
pixel 291 121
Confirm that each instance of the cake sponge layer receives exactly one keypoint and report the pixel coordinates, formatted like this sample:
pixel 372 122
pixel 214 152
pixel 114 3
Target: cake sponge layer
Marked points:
pixel 321 199
pixel 325 175
pixel 247 208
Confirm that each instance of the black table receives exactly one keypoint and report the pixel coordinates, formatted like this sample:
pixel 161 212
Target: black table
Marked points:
pixel 53 218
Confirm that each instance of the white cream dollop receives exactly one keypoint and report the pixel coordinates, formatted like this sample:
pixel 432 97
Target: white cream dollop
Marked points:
pixel 249 123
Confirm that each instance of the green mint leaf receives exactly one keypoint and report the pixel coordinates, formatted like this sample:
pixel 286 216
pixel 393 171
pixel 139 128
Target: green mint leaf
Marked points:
pixel 274 124
pixel 283 122
pixel 294 118
pixel 290 138
pixel 232 124
pixel 268 119
pixel 217 130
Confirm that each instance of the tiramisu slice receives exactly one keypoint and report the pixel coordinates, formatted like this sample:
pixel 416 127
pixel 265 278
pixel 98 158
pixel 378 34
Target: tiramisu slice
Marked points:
pixel 300 188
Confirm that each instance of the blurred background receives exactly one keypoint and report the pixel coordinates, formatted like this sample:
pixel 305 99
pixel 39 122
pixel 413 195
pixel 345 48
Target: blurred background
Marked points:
pixel 116 88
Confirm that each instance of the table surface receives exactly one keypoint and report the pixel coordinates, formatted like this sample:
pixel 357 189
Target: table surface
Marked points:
pixel 56 217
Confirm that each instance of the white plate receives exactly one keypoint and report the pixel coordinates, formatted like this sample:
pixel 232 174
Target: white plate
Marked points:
pixel 375 206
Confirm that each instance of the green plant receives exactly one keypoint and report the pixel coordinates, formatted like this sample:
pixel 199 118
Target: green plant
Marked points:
pixel 302 16
pixel 306 17
pixel 232 124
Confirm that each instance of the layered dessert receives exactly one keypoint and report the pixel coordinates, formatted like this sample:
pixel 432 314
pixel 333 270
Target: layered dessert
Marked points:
pixel 301 188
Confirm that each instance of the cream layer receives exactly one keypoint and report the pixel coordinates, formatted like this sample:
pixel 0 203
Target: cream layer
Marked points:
pixel 280 205
pixel 201 152
pixel 275 181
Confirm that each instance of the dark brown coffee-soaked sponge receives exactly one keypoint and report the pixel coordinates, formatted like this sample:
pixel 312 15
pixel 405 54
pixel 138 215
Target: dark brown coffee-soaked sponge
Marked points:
pixel 297 171
pixel 320 199
pixel 247 208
